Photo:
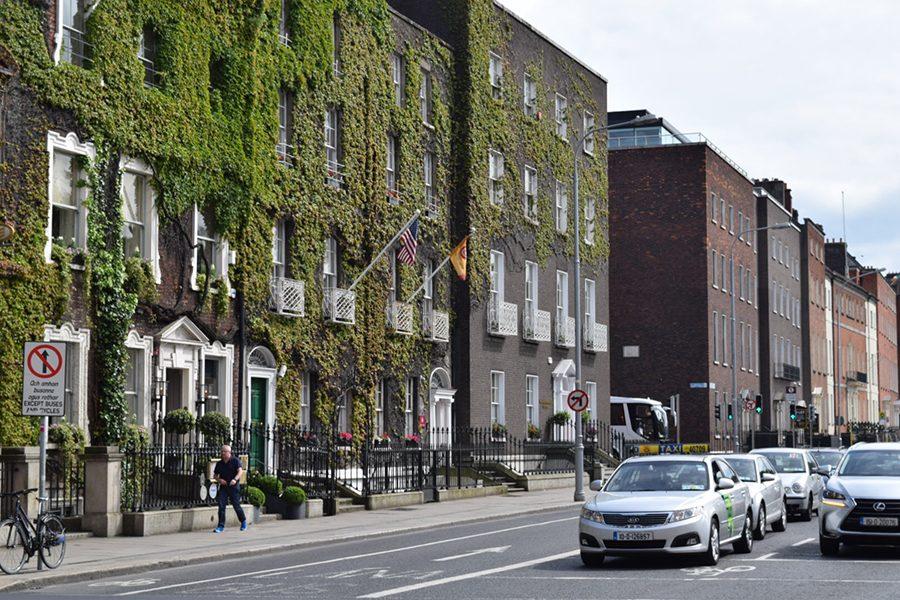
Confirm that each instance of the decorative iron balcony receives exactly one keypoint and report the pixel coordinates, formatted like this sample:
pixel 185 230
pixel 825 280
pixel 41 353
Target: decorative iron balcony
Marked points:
pixel 787 371
pixel 400 317
pixel 287 297
pixel 74 49
pixel 436 326
pixel 340 306
pixel 596 337
pixel 502 318
pixel 536 325
pixel 565 332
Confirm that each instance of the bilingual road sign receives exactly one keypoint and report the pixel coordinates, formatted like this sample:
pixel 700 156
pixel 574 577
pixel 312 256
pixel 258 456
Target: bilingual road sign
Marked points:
pixel 578 400
pixel 44 380
pixel 791 393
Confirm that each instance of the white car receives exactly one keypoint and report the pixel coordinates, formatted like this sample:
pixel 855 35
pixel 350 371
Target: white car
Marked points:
pixel 802 478
pixel 675 504
pixel 766 492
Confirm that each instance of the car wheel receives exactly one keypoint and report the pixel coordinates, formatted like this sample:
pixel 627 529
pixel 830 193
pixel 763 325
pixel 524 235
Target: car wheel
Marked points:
pixel 806 513
pixel 761 525
pixel 713 549
pixel 781 524
pixel 592 559
pixel 829 546
pixel 744 545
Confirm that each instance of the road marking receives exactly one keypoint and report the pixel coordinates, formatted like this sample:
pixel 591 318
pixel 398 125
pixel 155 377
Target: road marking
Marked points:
pixel 496 550
pixel 690 579
pixel 473 575
pixel 764 556
pixel 802 542
pixel 823 561
pixel 282 570
pixel 716 571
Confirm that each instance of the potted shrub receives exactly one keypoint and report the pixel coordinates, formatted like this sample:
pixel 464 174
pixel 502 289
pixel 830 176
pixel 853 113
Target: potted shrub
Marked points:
pixel 498 432
pixel 215 426
pixel 271 487
pixel 412 441
pixel 561 418
pixel 534 432
pixel 294 498
pixel 179 421
pixel 257 499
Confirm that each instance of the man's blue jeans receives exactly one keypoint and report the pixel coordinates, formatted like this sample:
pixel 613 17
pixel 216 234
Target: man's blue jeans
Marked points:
pixel 230 493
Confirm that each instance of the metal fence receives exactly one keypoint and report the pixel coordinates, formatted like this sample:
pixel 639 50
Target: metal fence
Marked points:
pixel 65 484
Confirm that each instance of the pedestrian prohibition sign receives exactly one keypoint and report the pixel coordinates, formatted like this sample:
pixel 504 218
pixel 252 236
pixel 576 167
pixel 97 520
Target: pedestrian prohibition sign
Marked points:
pixel 44 379
pixel 578 400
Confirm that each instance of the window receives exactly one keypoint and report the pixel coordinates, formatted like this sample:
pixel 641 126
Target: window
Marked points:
pixel 394 283
pixel 329 265
pixel 305 414
pixel 77 343
pixel 498 400
pixel 750 365
pixel 731 219
pixel 756 291
pixel 716 356
pixel 336 44
pixel 138 377
pixel 561 208
pixel 211 250
pixel 147 50
pixel 562 298
pixel 284 34
pixel 332 148
pixel 425 97
pixel 428 289
pixel 428 167
pixel 715 269
pixel 724 273
pixel 409 397
pixel 529 96
pixel 743 361
pixel 590 302
pixel 748 235
pixel 740 225
pixel 714 204
pixel 589 137
pixel 741 279
pixel 497 276
pixel 495 177
pixel 532 385
pixel 591 388
pixel 531 288
pixel 133 386
pixel 391 169
pixel 590 220
pixel 73 48
pixel 724 337
pixel 495 72
pixel 561 107
pixel 530 193
pixel 284 149
pixel 212 382
pixel 379 407
pixel 722 212
pixel 68 192
pixel 279 248
pixel 140 216
pixel 397 77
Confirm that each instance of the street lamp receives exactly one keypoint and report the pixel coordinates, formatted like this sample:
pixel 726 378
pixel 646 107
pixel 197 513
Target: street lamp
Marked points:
pixel 579 438
pixel 735 408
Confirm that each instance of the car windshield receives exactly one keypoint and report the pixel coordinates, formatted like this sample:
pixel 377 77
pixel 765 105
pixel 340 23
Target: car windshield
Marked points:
pixel 661 476
pixel 826 459
pixel 744 467
pixel 871 463
pixel 786 462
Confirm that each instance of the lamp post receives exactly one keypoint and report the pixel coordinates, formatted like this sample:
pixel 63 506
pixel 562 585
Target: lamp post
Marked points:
pixel 735 407
pixel 579 430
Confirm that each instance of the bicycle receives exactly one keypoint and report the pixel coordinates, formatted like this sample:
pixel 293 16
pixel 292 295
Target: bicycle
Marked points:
pixel 20 539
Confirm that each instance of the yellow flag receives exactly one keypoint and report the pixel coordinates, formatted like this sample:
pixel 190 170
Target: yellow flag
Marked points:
pixel 458 258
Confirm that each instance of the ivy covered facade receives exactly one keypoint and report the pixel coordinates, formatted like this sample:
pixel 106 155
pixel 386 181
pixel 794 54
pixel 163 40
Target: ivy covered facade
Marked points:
pixel 196 190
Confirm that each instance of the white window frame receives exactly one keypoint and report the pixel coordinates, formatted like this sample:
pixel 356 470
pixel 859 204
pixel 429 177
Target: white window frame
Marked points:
pixel 142 346
pixel 498 397
pixel 495 177
pixel 330 264
pixel 562 297
pixel 530 192
pixel 497 273
pixel 591 388
pixel 715 269
pixel 305 413
pixel 390 167
pixel 561 105
pixel 78 345
pixel 397 77
pixel 588 123
pixel 495 74
pixel 428 167
pixel 425 91
pixel 138 168
pixel 590 220
pixel 532 391
pixel 716 357
pixel 590 302
pixel 284 34
pixel 223 257
pixel 531 288
pixel 379 407
pixel 279 248
pixel 561 207
pixel 731 219
pixel 529 95
pixel 68 144
pixel 715 208
pixel 332 143
pixel 409 398
pixel 724 338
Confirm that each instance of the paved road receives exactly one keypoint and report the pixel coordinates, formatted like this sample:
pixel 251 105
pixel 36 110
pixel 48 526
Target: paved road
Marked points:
pixel 531 556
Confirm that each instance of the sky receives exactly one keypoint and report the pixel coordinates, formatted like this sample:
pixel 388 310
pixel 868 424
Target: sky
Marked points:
pixel 807 91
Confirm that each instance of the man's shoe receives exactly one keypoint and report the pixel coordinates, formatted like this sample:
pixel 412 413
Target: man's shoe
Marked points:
pixel 244 526
pixel 219 529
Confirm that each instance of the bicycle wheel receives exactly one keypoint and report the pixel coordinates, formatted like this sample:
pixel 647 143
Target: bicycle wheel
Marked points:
pixel 13 553
pixel 53 541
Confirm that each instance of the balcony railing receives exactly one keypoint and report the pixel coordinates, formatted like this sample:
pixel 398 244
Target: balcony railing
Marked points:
pixel 565 332
pixel 436 326
pixel 284 39
pixel 340 306
pixel 502 318
pixel 285 153
pixel 643 140
pixel 287 297
pixel 596 337
pixel 787 371
pixel 334 174
pixel 74 49
pixel 400 317
pixel 536 325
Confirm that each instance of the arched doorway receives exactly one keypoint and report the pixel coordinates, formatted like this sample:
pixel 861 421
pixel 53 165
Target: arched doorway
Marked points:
pixel 563 383
pixel 261 378
pixel 440 407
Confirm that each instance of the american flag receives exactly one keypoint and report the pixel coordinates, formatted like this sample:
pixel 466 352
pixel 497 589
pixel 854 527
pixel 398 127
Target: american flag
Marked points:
pixel 409 244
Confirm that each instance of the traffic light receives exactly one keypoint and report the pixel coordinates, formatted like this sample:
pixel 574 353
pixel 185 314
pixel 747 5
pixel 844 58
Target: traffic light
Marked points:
pixel 730 413
pixel 793 412
pixel 758 404
pixel 718 412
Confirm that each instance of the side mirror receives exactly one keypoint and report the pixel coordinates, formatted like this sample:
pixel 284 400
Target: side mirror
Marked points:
pixel 824 472
pixel 768 477
pixel 724 484
pixel 596 485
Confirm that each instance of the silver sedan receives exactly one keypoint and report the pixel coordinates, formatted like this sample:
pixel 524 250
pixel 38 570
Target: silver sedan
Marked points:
pixel 667 504
pixel 766 492
pixel 802 478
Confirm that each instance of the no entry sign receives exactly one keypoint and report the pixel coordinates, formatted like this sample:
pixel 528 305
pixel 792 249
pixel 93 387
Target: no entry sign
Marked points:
pixel 44 380
pixel 578 400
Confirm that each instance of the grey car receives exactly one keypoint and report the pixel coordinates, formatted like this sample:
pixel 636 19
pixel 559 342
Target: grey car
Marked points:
pixel 667 504
pixel 802 478
pixel 766 492
pixel 862 500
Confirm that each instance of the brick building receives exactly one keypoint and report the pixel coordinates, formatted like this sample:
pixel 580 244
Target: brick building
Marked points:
pixel 818 369
pixel 885 298
pixel 677 208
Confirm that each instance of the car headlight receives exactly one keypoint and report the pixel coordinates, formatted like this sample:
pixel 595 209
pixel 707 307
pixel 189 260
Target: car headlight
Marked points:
pixel 832 498
pixel 685 513
pixel 592 515
pixel 798 489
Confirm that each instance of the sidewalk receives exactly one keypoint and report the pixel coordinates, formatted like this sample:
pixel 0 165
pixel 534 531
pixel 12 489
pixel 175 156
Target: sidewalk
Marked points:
pixel 94 558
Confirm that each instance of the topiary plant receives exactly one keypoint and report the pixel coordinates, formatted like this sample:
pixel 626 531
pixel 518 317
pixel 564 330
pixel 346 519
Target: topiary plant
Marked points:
pixel 294 496
pixel 560 418
pixel 270 485
pixel 215 426
pixel 255 496
pixel 179 421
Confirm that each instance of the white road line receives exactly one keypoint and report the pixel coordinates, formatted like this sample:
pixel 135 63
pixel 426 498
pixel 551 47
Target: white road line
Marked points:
pixel 823 561
pixel 765 556
pixel 473 575
pixel 802 542
pixel 691 579
pixel 279 570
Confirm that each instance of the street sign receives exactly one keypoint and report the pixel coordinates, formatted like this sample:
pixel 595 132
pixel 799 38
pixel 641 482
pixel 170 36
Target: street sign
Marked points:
pixel 790 393
pixel 749 404
pixel 578 400
pixel 44 380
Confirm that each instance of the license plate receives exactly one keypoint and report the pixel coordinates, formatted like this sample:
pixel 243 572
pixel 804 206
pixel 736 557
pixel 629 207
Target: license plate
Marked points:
pixel 879 521
pixel 632 536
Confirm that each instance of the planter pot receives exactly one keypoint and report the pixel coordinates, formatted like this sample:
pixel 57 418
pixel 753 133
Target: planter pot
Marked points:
pixel 292 512
pixel 257 514
pixel 274 506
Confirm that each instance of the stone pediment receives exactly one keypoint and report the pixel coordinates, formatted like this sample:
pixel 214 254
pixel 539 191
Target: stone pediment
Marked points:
pixel 183 331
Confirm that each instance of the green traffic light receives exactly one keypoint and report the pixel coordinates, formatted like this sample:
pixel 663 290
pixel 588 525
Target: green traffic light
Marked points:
pixel 759 410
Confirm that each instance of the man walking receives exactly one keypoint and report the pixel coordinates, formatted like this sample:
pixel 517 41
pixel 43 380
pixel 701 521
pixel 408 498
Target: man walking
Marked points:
pixel 227 474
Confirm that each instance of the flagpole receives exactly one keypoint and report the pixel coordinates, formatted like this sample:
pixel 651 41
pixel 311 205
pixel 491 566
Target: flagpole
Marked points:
pixel 385 249
pixel 427 279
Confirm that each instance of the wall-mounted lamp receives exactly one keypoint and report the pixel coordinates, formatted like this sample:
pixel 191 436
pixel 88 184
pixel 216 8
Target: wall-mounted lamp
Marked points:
pixel 282 370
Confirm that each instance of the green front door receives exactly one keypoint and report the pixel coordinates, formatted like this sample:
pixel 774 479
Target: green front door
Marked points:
pixel 258 389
